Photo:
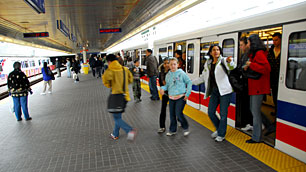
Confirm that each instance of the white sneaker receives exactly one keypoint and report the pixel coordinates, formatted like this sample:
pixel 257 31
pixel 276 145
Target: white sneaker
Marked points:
pixel 248 127
pixel 186 132
pixel 171 133
pixel 161 130
pixel 214 134
pixel 219 139
pixel 131 135
pixel 50 92
pixel 42 93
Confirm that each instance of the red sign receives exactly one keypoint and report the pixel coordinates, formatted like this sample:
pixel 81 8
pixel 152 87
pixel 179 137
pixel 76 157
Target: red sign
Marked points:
pixel 36 34
pixel 111 30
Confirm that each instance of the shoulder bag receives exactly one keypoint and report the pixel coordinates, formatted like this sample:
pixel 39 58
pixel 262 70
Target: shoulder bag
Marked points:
pixel 116 103
pixel 234 78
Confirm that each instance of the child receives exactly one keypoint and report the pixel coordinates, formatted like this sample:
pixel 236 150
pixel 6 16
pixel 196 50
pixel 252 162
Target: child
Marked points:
pixel 137 73
pixel 176 82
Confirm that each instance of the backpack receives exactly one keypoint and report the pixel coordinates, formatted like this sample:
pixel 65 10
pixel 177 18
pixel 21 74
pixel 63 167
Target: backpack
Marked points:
pixel 234 77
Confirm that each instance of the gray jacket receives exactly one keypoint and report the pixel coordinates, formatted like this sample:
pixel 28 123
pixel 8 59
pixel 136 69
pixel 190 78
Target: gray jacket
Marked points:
pixel 152 66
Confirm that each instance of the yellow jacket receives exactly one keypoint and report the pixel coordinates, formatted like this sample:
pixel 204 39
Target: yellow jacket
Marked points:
pixel 113 78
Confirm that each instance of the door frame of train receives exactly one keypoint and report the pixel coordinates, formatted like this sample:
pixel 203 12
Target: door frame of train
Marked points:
pixel 170 45
pixel 293 97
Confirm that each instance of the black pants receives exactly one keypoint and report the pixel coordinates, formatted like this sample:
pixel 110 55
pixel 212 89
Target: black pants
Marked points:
pixel 274 95
pixel 162 116
pixel 93 71
pixel 99 71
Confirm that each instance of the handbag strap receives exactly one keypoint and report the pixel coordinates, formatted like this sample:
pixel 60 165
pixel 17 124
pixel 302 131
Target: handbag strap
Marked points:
pixel 123 80
pixel 224 68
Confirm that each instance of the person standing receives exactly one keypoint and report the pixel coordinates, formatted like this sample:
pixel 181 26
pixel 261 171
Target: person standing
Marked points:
pixel 92 62
pixel 18 87
pixel 258 88
pixel 137 73
pixel 99 65
pixel 218 87
pixel 68 66
pixel 152 72
pixel 113 78
pixel 47 77
pixel 163 70
pixel 58 67
pixel 76 68
pixel 178 85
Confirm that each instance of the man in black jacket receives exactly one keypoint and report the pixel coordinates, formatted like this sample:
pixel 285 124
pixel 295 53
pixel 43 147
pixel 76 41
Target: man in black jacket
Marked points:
pixel 152 72
pixel 92 63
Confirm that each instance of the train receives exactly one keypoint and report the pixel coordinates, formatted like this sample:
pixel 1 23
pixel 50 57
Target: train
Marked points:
pixel 290 21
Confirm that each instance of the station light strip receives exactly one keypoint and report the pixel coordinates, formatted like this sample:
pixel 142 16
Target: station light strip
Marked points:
pixel 20 42
pixel 156 20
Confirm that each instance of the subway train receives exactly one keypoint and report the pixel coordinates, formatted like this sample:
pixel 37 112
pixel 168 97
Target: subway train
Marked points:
pixel 29 65
pixel 290 119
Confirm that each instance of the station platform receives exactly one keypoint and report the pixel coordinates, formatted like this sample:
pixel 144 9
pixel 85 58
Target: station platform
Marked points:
pixel 70 132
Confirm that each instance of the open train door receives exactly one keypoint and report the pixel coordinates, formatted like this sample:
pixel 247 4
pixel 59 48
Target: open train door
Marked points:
pixel 192 68
pixel 229 44
pixel 291 104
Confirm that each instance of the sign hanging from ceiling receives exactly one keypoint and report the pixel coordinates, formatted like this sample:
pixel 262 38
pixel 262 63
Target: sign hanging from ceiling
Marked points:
pixel 36 34
pixel 110 30
pixel 63 28
pixel 37 5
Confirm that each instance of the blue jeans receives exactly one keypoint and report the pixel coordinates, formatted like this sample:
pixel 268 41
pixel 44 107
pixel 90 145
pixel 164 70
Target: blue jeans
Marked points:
pixel 21 102
pixel 224 101
pixel 153 87
pixel 68 72
pixel 119 123
pixel 176 108
pixel 255 107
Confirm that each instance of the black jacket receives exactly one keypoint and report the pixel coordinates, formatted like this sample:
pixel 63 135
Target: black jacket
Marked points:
pixel 152 66
pixel 18 83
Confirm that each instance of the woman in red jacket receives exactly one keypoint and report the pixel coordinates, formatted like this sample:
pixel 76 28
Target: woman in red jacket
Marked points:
pixel 258 62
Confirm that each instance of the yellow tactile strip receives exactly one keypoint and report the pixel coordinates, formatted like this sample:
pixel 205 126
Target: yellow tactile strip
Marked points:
pixel 274 158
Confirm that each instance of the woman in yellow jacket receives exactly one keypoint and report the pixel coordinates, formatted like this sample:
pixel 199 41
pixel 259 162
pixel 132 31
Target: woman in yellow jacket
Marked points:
pixel 113 78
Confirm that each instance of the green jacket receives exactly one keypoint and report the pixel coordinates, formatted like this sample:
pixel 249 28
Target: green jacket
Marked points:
pixel 113 78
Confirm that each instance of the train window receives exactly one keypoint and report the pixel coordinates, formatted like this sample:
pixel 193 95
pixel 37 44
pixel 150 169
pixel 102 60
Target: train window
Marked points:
pixel 228 47
pixel 39 62
pixel 32 63
pixel 162 54
pixel 1 69
pixel 296 68
pixel 190 58
pixel 170 51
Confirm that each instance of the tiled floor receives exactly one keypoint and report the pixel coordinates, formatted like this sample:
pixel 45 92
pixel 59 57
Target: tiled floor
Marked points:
pixel 70 132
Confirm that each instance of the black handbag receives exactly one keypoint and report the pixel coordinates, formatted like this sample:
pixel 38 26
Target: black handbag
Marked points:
pixel 116 103
pixel 249 73
pixel 234 78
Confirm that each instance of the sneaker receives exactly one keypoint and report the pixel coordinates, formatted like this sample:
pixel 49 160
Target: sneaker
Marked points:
pixel 179 124
pixel 171 133
pixel 50 92
pixel 219 139
pixel 248 127
pixel 214 134
pixel 42 93
pixel 29 119
pixel 113 137
pixel 186 132
pixel 19 119
pixel 161 130
pixel 132 135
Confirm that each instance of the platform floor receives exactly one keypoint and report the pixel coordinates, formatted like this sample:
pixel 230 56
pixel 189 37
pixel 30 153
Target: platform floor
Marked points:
pixel 70 132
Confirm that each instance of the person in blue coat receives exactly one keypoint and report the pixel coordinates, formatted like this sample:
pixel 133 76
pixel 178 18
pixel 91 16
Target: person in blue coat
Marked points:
pixel 47 77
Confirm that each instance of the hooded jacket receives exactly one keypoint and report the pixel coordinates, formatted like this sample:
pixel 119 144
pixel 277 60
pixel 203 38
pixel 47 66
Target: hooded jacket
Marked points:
pixel 176 83
pixel 113 78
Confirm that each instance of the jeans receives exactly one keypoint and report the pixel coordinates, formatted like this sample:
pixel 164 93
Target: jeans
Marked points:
pixel 153 87
pixel 162 116
pixel 68 72
pixel 176 110
pixel 58 72
pixel 224 101
pixel 119 123
pixel 21 102
pixel 255 107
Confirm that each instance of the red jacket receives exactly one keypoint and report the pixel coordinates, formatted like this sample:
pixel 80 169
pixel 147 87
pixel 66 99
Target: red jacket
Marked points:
pixel 261 65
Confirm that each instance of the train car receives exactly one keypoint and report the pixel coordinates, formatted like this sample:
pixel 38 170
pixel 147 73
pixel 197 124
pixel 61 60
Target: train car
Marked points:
pixel 29 65
pixel 290 120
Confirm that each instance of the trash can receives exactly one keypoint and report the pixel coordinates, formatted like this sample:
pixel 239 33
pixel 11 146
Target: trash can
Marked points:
pixel 85 68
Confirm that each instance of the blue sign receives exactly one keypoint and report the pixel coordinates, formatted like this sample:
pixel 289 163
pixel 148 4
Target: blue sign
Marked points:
pixel 37 5
pixel 63 28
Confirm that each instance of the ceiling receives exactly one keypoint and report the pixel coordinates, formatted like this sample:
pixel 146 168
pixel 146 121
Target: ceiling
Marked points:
pixel 82 17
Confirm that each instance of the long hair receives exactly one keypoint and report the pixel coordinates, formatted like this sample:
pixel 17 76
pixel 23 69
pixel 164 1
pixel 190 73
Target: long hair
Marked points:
pixel 256 44
pixel 210 50
pixel 46 67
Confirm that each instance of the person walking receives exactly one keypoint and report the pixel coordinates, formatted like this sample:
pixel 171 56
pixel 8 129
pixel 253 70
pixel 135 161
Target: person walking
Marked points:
pixel 68 66
pixel 92 63
pixel 18 87
pixel 76 68
pixel 152 72
pixel 178 85
pixel 218 87
pixel 47 77
pixel 258 88
pixel 99 65
pixel 113 78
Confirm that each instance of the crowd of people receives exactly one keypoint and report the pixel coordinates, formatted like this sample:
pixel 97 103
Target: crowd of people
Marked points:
pixel 254 66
